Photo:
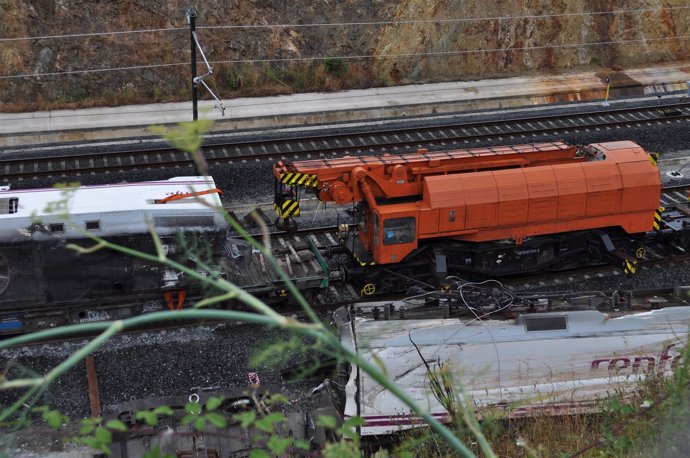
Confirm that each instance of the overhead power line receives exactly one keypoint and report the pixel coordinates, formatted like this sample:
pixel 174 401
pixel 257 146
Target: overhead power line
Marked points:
pixel 94 70
pixel 358 57
pixel 347 24
pixel 438 21
pixel 447 53
pixel 92 34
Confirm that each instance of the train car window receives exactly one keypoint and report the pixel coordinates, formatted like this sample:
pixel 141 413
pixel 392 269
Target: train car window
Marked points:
pixel 183 221
pixel 363 222
pixel 376 229
pixel 451 216
pixel 399 230
pixel 56 227
pixel 546 323
pixel 9 205
pixel 93 225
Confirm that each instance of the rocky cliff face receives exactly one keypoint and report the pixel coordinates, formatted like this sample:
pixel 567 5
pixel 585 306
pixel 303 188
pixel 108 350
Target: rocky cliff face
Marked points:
pixel 395 42
pixel 530 35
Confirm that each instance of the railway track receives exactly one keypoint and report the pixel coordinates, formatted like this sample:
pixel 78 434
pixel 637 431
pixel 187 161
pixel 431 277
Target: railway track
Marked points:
pixel 19 167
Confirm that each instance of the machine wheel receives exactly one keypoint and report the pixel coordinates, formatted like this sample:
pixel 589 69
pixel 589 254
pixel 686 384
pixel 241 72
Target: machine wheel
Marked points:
pixel 4 274
pixel 640 252
pixel 368 289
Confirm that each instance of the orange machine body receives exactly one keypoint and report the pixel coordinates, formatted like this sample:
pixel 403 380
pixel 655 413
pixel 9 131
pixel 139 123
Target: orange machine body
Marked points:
pixel 505 196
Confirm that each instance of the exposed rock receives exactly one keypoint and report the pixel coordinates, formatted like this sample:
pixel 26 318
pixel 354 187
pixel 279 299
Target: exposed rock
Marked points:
pixel 398 42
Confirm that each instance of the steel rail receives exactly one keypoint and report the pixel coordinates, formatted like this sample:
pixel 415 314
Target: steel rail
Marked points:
pixel 446 136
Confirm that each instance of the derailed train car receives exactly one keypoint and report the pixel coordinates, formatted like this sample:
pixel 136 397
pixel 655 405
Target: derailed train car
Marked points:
pixel 44 282
pixel 556 362
pixel 39 269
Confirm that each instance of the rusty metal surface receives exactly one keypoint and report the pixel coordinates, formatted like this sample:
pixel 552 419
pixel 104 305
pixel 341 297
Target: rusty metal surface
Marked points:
pixel 94 394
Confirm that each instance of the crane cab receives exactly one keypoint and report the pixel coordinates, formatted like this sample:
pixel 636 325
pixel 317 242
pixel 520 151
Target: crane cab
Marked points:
pixel 386 234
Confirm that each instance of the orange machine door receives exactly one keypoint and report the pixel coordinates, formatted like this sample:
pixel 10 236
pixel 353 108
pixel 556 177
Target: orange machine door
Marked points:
pixel 572 191
pixel 604 187
pixel 641 186
pixel 513 197
pixel 543 193
pixel 444 195
pixel 481 197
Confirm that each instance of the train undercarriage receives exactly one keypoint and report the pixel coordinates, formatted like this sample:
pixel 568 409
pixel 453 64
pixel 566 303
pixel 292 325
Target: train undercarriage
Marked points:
pixel 435 261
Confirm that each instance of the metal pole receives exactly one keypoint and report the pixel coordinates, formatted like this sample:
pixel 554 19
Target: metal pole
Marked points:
pixel 608 87
pixel 191 17
pixel 94 395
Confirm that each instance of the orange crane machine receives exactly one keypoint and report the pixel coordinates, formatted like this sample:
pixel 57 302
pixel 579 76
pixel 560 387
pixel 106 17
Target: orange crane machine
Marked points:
pixel 491 211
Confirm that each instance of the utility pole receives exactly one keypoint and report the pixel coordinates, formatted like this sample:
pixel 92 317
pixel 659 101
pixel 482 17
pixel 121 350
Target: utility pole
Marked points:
pixel 196 80
pixel 191 18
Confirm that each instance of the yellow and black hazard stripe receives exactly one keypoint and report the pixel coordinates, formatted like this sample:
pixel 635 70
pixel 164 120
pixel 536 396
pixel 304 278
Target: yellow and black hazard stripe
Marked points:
pixel 289 207
pixel 363 263
pixel 299 179
pixel 630 267
pixel 653 158
pixel 657 217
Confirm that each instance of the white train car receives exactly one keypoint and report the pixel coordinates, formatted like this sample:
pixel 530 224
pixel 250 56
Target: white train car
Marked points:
pixel 50 214
pixel 555 363
pixel 37 270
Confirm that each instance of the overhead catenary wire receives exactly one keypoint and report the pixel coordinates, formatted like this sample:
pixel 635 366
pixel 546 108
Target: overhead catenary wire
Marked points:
pixel 356 57
pixel 358 24
pixel 439 21
pixel 91 34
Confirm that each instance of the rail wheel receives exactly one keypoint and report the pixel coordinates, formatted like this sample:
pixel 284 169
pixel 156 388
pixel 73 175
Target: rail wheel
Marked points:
pixel 368 289
pixel 640 252
pixel 4 274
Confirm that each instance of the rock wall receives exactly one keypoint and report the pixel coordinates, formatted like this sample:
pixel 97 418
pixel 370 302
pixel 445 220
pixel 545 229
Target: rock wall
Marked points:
pixel 396 42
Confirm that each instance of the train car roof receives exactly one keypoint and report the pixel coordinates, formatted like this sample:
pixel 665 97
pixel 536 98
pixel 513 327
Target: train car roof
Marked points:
pixel 49 214
pixel 106 198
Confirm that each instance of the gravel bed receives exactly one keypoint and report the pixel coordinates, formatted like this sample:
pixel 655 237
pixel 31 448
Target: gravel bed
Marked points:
pixel 152 364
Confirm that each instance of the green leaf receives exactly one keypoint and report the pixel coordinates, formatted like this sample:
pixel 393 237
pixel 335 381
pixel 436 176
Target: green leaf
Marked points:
pixel 216 419
pixel 187 419
pixel 213 403
pixel 106 449
pixel 154 453
pixel 349 433
pixel 302 444
pixel 53 418
pixel 258 453
pixel 103 435
pixel 277 399
pixel 163 410
pixel 348 428
pixel 149 417
pixel 278 445
pixel 193 407
pixel 326 421
pixel 354 422
pixel 199 423
pixel 245 418
pixel 266 423
pixel 92 442
pixel 86 428
pixel 116 425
